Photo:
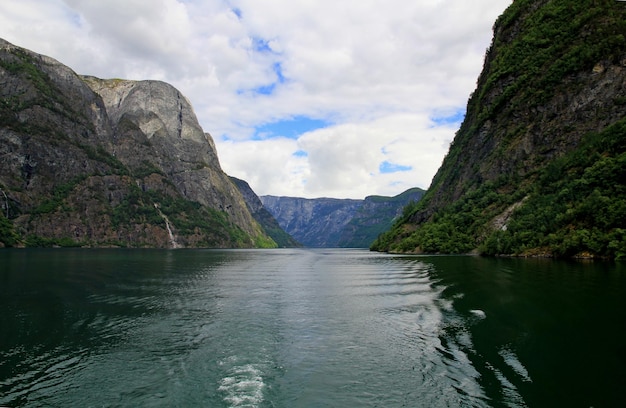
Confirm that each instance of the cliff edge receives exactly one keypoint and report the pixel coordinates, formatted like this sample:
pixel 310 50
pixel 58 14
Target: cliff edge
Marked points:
pixel 93 162
pixel 537 166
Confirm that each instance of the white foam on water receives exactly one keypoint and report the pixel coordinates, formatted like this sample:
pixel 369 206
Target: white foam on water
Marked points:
pixel 509 390
pixel 478 313
pixel 510 358
pixel 446 304
pixel 243 386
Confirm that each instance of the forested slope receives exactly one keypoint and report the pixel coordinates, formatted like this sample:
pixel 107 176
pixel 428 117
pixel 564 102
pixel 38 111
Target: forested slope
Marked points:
pixel 539 163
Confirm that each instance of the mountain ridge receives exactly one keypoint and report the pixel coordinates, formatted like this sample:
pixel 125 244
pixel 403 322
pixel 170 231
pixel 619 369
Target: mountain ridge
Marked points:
pixel 334 222
pixel 264 217
pixel 96 162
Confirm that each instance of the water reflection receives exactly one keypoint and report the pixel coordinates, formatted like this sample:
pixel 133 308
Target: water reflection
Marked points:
pixel 543 336
pixel 307 328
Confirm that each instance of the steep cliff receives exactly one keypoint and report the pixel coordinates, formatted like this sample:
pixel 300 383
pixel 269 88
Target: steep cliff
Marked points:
pixel 312 222
pixel 523 174
pixel 98 162
pixel 264 217
pixel 331 222
pixel 375 216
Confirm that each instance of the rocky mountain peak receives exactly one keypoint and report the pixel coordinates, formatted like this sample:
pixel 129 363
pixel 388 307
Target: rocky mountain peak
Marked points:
pixel 88 161
pixel 162 108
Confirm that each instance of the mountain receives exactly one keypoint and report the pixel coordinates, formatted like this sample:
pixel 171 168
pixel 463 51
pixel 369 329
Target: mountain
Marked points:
pixel 93 162
pixel 313 222
pixel 376 215
pixel 538 166
pixel 264 217
pixel 332 222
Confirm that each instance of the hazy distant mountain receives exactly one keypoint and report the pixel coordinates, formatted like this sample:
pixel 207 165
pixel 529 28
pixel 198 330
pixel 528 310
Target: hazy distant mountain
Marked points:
pixel 332 222
pixel 264 217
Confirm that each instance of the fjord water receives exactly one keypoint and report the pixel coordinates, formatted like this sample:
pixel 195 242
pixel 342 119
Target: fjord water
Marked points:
pixel 307 328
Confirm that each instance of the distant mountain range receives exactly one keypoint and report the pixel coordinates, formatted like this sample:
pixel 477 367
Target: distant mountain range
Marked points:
pixel 263 216
pixel 331 222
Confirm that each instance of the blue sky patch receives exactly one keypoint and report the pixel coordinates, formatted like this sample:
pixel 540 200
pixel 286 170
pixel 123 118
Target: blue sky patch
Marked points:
pixel 291 128
pixel 449 119
pixel 278 70
pixel 236 12
pixel 261 45
pixel 300 153
pixel 388 167
pixel 270 88
pixel 265 89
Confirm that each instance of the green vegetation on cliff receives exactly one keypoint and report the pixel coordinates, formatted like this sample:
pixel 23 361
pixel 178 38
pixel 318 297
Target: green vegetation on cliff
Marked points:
pixel 538 166
pixel 8 236
pixel 577 206
pixel 78 169
pixel 375 215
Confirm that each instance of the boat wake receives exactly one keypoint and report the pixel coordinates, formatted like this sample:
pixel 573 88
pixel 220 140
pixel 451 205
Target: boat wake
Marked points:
pixel 243 385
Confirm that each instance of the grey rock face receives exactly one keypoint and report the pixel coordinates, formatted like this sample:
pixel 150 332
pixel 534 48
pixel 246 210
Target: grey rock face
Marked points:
pixel 264 217
pixel 47 115
pixel 313 222
pixel 329 222
pixel 160 118
pixel 101 162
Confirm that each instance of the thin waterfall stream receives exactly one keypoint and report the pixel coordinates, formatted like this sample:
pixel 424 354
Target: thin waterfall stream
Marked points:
pixel 173 242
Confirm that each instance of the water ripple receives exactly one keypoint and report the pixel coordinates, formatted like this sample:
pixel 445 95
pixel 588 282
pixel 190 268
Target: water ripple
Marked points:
pixel 305 327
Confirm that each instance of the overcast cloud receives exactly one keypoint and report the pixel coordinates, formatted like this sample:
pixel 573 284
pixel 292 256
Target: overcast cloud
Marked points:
pixel 305 98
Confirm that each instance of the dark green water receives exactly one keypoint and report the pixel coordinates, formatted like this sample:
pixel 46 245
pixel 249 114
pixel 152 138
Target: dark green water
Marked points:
pixel 307 328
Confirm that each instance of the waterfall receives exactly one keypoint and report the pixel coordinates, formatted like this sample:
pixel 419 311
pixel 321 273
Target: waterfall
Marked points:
pixel 173 242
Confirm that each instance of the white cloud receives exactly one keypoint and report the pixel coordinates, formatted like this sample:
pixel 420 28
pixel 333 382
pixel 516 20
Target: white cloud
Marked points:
pixel 284 174
pixel 344 160
pixel 377 69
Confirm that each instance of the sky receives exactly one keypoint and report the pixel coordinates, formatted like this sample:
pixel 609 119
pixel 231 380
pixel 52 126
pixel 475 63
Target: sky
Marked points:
pixel 306 98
